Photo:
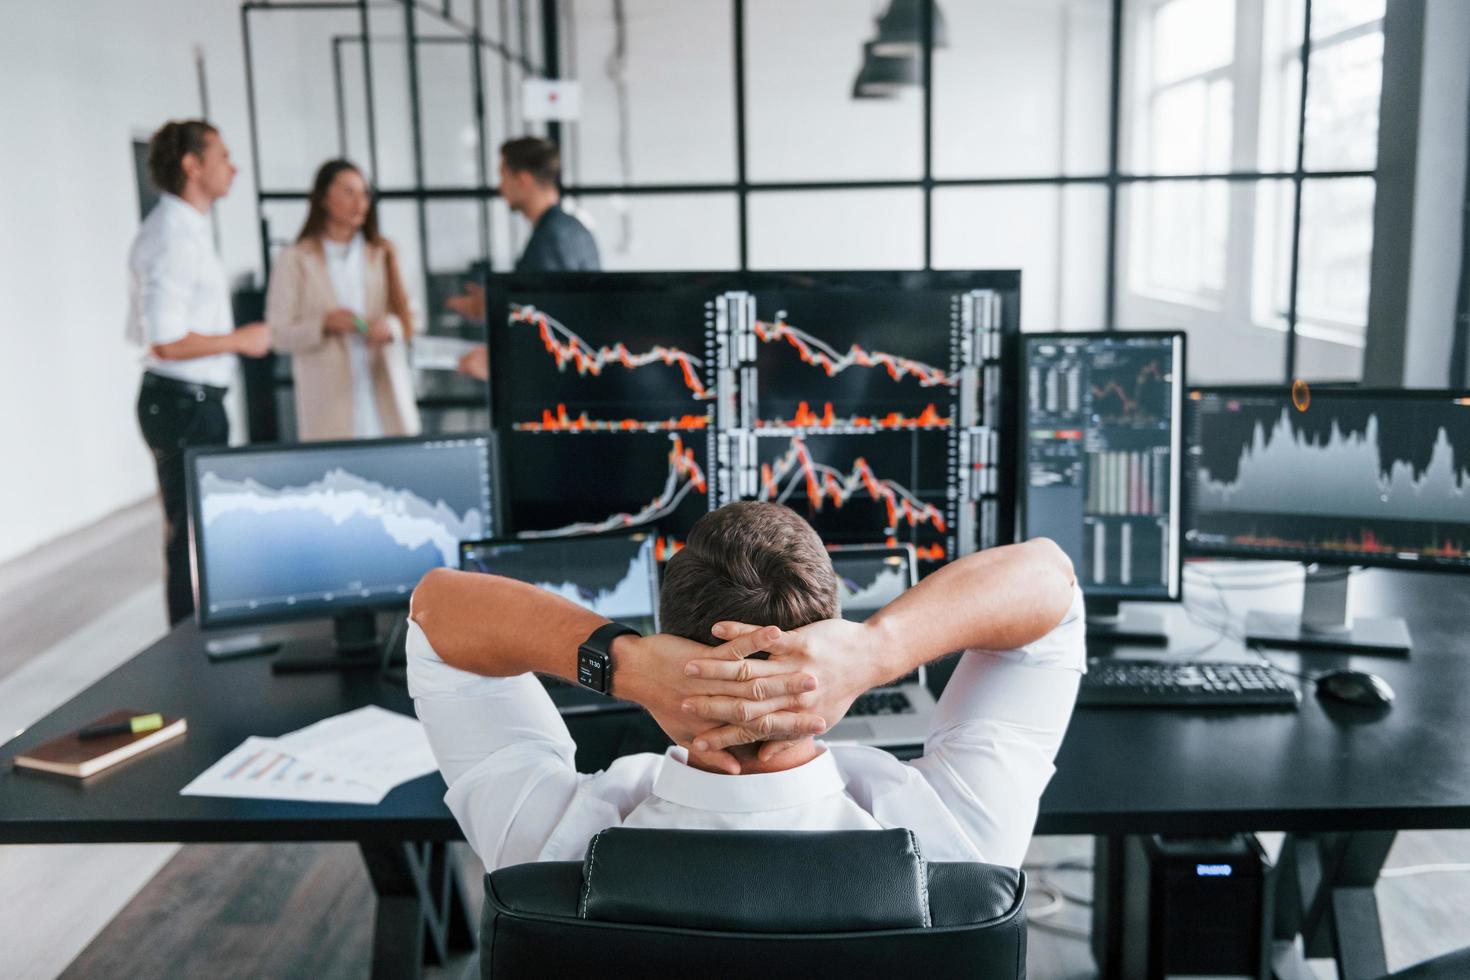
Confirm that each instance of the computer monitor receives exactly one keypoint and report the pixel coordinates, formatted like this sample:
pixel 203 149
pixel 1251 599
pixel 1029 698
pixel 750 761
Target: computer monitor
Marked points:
pixel 614 575
pixel 1101 469
pixel 869 402
pixel 1331 477
pixel 869 577
pixel 332 529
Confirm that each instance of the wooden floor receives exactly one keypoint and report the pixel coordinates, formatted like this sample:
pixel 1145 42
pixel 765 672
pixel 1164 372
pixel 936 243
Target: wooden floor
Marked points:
pixel 79 607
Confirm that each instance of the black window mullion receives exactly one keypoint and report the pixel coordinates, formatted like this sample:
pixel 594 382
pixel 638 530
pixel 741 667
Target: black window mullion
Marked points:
pixel 1296 209
pixel 1115 111
pixel 926 25
pixel 742 186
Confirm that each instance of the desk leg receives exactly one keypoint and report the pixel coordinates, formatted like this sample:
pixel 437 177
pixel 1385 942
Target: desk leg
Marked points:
pixel 1326 894
pixel 1107 905
pixel 419 895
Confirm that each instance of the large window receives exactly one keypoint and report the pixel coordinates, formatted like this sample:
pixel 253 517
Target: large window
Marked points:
pixel 1144 163
pixel 1246 211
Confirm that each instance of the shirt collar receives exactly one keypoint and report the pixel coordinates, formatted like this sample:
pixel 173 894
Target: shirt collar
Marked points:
pixel 343 249
pixel 682 784
pixel 198 223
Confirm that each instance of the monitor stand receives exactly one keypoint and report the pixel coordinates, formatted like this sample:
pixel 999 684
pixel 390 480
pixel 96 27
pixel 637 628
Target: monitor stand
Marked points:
pixel 1326 623
pixel 357 644
pixel 1106 623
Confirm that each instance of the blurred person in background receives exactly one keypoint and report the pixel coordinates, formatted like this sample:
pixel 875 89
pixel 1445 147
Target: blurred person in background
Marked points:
pixel 338 306
pixel 179 313
pixel 530 183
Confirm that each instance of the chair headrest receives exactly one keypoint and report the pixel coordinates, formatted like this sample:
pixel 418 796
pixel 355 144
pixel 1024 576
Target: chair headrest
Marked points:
pixel 756 881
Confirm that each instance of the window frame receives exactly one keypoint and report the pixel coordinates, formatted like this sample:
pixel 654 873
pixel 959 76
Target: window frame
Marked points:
pixel 537 52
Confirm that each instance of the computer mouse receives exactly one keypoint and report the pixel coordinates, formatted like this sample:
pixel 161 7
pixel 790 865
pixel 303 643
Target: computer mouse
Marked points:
pixel 1354 687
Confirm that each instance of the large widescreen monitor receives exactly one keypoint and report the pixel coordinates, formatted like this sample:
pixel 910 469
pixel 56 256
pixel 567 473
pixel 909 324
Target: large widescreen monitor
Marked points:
pixel 332 529
pixel 871 402
pixel 1332 476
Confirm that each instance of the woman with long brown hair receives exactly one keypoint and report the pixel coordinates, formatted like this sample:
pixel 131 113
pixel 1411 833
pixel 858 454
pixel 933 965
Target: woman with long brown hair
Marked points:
pixel 337 305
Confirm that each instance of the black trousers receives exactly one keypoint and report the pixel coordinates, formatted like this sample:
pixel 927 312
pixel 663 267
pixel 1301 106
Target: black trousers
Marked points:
pixel 173 417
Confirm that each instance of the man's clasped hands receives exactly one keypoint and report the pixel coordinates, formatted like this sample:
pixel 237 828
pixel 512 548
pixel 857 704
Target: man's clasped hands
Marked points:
pixel 760 685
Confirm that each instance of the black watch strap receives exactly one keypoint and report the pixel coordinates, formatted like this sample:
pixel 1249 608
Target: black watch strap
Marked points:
pixel 594 657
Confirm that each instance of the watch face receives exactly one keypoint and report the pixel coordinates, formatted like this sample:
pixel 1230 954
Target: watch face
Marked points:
pixel 592 669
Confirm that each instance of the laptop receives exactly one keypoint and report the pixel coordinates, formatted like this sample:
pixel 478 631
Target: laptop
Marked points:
pixel 900 713
pixel 614 575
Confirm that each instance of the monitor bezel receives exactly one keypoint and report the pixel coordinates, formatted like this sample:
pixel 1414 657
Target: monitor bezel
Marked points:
pixel 1022 465
pixel 316 610
pixel 1307 556
pixel 648 535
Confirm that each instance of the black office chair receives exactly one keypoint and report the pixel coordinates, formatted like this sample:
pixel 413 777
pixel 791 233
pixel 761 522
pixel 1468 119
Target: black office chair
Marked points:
pixel 754 903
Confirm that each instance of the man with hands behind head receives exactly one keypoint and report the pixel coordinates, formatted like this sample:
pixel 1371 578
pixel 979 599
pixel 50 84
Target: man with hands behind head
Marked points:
pixel 754 579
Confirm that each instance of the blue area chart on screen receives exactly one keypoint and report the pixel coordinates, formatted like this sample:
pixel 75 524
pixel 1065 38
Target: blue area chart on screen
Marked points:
pixel 337 534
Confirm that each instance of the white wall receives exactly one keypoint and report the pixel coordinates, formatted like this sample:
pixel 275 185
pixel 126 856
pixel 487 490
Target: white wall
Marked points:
pixel 81 78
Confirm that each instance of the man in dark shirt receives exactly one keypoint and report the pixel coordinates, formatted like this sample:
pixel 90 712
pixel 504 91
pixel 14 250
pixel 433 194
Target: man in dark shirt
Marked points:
pixel 529 170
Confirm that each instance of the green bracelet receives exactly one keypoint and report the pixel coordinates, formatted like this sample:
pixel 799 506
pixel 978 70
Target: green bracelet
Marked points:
pixel 360 323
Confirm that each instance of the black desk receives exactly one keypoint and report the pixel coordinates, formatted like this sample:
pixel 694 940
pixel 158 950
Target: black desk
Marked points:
pixel 421 912
pixel 1345 777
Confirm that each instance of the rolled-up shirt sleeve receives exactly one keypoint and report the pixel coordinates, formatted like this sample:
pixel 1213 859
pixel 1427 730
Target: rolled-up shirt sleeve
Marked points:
pixel 502 748
pixel 996 733
pixel 166 277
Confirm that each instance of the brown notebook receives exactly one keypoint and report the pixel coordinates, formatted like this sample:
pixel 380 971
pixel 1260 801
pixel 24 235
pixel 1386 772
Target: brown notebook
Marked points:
pixel 72 756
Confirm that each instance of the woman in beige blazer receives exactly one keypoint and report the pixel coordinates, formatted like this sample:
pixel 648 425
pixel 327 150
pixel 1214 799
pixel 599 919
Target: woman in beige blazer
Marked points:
pixel 337 305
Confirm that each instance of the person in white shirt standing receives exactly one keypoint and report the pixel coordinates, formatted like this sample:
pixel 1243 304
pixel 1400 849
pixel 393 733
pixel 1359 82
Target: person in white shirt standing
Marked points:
pixel 756 576
pixel 179 313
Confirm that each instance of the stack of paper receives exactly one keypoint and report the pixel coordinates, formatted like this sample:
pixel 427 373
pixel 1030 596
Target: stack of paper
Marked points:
pixel 435 353
pixel 357 757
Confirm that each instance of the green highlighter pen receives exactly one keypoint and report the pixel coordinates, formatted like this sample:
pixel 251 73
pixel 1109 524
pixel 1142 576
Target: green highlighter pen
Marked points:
pixel 133 726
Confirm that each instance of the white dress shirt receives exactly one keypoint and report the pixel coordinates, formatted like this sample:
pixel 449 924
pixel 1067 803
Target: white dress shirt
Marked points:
pixel 507 759
pixel 345 267
pixel 176 286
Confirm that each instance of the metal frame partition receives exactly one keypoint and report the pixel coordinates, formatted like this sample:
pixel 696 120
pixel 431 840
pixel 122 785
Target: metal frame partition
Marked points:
pixel 548 15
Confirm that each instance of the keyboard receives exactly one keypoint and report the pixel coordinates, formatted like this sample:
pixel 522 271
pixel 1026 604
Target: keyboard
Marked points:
pixel 880 703
pixel 1111 682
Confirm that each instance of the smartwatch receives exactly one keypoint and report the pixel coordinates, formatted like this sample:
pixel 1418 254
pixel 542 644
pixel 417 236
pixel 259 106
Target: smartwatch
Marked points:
pixel 594 657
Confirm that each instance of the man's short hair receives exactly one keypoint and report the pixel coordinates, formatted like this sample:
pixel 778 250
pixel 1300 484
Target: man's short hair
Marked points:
pixel 535 156
pixel 167 148
pixel 749 562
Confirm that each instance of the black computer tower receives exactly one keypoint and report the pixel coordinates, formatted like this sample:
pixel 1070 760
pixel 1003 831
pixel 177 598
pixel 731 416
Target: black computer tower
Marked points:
pixel 1191 906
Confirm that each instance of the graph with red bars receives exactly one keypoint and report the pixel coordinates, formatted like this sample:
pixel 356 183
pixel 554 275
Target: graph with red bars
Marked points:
pixel 805 418
pixel 562 421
